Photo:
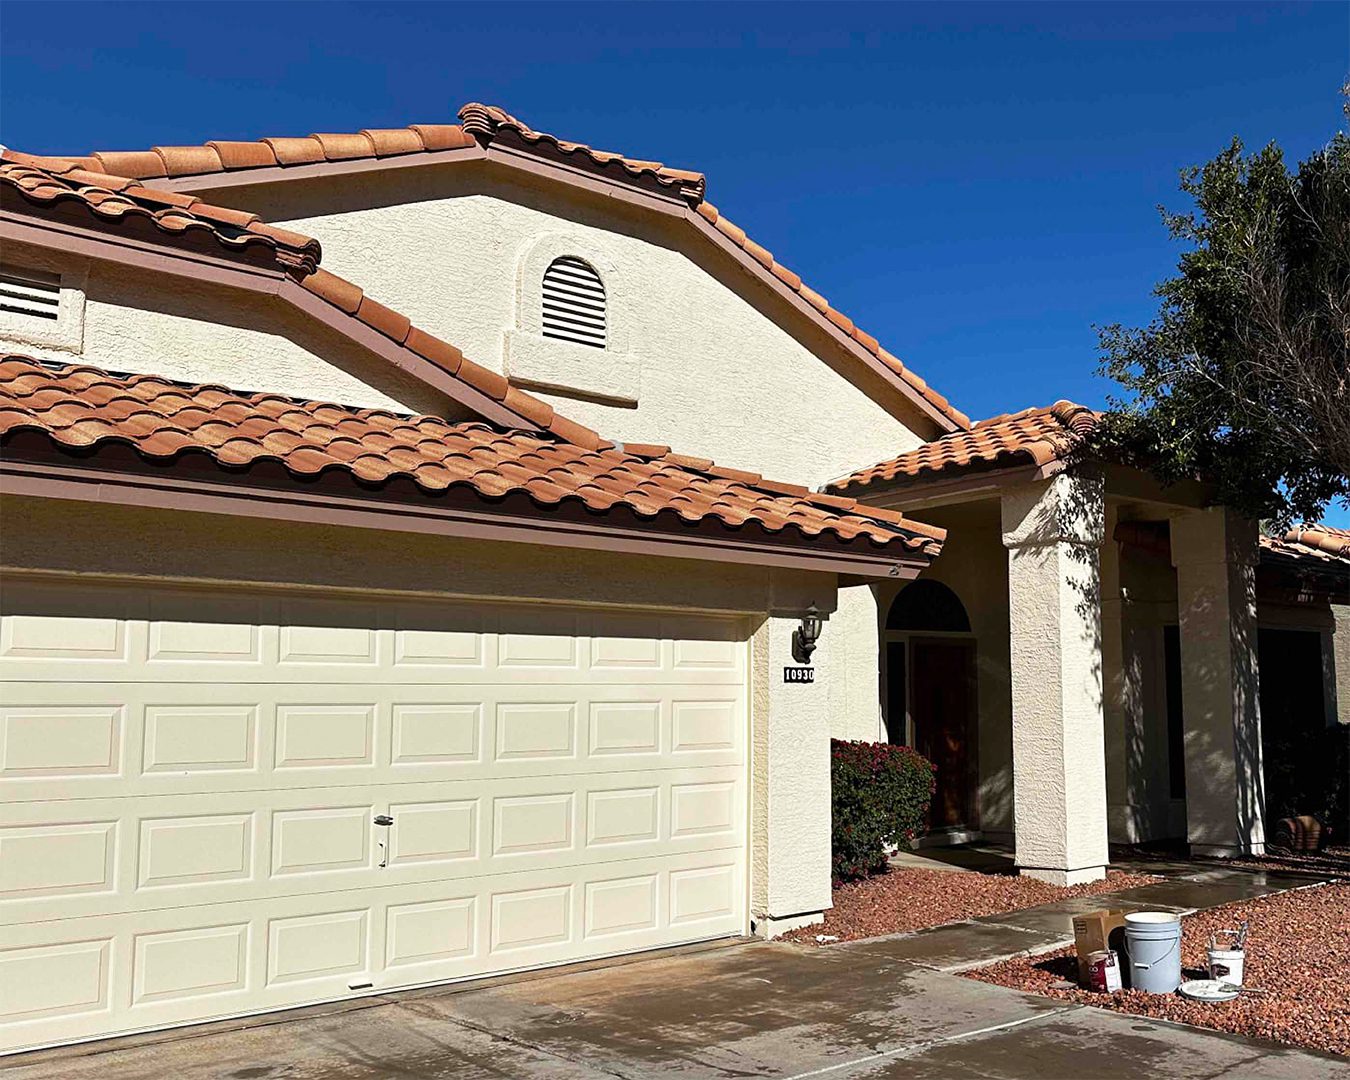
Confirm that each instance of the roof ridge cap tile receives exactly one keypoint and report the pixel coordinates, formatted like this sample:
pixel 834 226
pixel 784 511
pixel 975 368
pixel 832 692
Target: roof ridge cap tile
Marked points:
pixel 485 122
pixel 269 151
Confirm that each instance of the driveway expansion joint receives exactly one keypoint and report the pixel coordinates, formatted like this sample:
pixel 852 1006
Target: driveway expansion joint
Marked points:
pixel 913 1049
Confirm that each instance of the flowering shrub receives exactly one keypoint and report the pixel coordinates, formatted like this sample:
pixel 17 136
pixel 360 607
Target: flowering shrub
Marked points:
pixel 880 795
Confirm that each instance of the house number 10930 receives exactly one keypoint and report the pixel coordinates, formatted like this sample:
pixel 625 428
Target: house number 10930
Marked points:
pixel 799 674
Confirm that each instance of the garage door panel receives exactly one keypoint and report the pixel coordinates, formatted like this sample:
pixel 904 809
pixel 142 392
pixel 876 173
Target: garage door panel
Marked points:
pixel 56 631
pixel 60 859
pixel 178 964
pixel 190 782
pixel 225 736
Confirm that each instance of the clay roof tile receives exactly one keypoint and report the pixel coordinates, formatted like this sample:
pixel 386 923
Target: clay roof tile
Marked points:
pixel 186 160
pixel 244 155
pixel 291 151
pixel 344 147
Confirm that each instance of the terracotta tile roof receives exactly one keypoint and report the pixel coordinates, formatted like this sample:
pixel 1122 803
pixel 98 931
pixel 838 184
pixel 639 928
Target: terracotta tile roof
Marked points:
pixel 1320 539
pixel 52 184
pixel 81 408
pixel 1031 437
pixel 489 124
pixel 162 162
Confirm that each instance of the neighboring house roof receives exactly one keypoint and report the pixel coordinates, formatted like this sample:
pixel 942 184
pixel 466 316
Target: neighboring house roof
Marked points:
pixel 1032 437
pixel 487 125
pixel 1314 552
pixel 81 410
pixel 1322 539
pixel 120 200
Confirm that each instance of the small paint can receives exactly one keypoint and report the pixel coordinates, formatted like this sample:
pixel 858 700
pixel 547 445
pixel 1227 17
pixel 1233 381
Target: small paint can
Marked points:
pixel 1103 971
pixel 1225 965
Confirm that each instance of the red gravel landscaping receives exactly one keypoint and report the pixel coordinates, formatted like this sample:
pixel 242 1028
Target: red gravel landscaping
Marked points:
pixel 913 899
pixel 1298 951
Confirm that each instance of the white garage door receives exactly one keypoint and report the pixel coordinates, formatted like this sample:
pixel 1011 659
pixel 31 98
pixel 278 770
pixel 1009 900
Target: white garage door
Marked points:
pixel 195 786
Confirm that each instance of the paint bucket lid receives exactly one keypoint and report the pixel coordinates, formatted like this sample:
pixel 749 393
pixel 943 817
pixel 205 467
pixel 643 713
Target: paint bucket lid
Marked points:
pixel 1151 918
pixel 1209 990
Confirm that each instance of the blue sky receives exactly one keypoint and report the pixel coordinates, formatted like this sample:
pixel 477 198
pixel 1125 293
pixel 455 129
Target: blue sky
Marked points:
pixel 975 184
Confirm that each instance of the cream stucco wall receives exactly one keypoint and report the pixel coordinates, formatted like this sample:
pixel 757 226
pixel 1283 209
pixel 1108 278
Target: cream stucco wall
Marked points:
pixel 790 836
pixel 145 322
pixel 726 369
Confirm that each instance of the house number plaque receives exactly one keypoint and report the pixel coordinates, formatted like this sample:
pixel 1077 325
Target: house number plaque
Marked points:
pixel 799 674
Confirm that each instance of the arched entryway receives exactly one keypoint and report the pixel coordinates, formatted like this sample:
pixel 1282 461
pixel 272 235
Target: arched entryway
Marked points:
pixel 930 694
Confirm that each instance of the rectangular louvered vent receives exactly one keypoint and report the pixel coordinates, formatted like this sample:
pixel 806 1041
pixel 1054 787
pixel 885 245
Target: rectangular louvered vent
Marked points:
pixel 574 302
pixel 34 293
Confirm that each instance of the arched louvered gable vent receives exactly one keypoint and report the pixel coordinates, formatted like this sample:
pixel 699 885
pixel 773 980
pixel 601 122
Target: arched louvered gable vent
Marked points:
pixel 574 302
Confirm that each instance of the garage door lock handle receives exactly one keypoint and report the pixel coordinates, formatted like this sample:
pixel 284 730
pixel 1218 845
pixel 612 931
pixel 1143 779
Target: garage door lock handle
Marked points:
pixel 386 821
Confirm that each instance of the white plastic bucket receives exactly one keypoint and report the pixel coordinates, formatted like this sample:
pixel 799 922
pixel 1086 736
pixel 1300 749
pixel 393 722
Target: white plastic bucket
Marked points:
pixel 1153 941
pixel 1226 965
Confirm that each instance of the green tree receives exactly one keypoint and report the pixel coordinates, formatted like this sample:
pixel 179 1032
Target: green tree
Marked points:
pixel 1243 377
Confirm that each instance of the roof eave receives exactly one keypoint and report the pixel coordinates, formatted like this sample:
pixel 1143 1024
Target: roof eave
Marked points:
pixel 164 491
pixel 949 486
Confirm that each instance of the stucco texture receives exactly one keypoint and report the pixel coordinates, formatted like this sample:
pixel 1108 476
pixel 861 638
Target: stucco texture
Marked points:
pixel 144 322
pixel 727 369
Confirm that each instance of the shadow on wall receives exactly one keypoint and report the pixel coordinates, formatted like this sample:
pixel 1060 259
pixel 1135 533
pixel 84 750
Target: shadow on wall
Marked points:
pixel 1307 761
pixel 1213 744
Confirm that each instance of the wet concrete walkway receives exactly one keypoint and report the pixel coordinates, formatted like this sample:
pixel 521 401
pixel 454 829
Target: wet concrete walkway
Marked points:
pixel 973 943
pixel 882 1008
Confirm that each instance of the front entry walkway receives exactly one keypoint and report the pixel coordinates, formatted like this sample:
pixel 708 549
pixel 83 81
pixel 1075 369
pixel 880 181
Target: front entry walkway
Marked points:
pixel 870 1009
pixel 971 943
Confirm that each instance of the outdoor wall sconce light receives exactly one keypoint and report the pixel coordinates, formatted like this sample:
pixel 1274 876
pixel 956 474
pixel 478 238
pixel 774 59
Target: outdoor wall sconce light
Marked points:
pixel 805 636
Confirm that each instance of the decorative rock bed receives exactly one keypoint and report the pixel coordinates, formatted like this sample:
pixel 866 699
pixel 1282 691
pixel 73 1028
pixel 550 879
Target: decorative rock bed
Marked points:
pixel 914 899
pixel 1298 954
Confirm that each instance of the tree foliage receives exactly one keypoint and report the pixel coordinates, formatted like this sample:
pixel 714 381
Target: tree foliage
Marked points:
pixel 1243 377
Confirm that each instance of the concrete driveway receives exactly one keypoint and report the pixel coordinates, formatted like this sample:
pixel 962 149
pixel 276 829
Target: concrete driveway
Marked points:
pixel 747 1010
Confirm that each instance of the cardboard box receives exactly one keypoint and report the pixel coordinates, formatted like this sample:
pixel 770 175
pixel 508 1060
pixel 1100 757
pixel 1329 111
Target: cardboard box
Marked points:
pixel 1098 930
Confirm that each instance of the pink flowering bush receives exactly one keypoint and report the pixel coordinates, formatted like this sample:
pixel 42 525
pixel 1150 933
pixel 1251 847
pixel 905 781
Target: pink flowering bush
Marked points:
pixel 880 795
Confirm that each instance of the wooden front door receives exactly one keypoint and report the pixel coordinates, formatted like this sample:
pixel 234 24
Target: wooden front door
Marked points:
pixel 941 708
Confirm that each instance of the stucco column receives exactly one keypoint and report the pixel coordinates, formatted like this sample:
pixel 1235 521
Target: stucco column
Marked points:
pixel 1053 530
pixel 1116 687
pixel 1215 553
pixel 790 776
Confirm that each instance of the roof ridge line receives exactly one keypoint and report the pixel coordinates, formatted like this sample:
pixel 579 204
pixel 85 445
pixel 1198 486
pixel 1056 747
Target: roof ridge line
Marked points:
pixel 481 124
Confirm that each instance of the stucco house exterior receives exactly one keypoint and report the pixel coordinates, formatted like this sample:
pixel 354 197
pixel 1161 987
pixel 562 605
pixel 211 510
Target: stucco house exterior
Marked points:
pixel 407 542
